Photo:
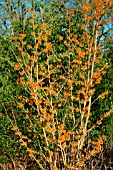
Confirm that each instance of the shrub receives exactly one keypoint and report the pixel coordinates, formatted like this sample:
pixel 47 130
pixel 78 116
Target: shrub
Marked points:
pixel 59 73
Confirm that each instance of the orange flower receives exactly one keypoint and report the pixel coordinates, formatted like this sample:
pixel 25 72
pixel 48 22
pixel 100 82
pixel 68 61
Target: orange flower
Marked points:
pixel 103 137
pixel 107 11
pixel 70 12
pixel 97 28
pixel 80 163
pixel 66 43
pixel 39 34
pixel 24 137
pixel 27 117
pixel 60 38
pixel 44 38
pixel 13 38
pixel 45 50
pixel 20 97
pixel 43 110
pixel 96 75
pixel 14 128
pixel 55 168
pixel 107 114
pixel 70 166
pixel 43 27
pixel 110 4
pixel 61 139
pixel 73 150
pixel 88 18
pixel 21 105
pixel 64 145
pixel 77 109
pixel 82 76
pixel 19 59
pixel 74 144
pixel 106 66
pixel 91 92
pixel 68 137
pixel 47 102
pixel 68 30
pixel 59 105
pixel 31 20
pixel 52 110
pixel 20 49
pixel 84 27
pixel 72 49
pixel 29 46
pixel 92 152
pixel 33 33
pixel 35 26
pixel 52 130
pixel 87 156
pixel 21 36
pixel 80 52
pixel 76 41
pixel 106 92
pixel 48 33
pixel 48 45
pixel 38 102
pixel 59 59
pixel 31 151
pixel 32 58
pixel 31 11
pixel 20 140
pixel 71 107
pixel 18 133
pixel 68 18
pixel 84 68
pixel 23 42
pixel 29 130
pixel 22 72
pixel 100 56
pixel 70 82
pixel 85 8
pixel 32 63
pixel 17 67
pixel 29 140
pixel 37 53
pixel 71 23
pixel 99 123
pixel 75 36
pixel 24 53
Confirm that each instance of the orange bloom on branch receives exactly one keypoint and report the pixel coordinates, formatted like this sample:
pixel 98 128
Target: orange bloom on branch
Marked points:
pixel 43 27
pixel 60 38
pixel 21 105
pixel 85 8
pixel 29 46
pixel 35 26
pixel 17 67
pixel 31 20
pixel 23 42
pixel 33 33
pixel 84 27
pixel 70 12
pixel 31 11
